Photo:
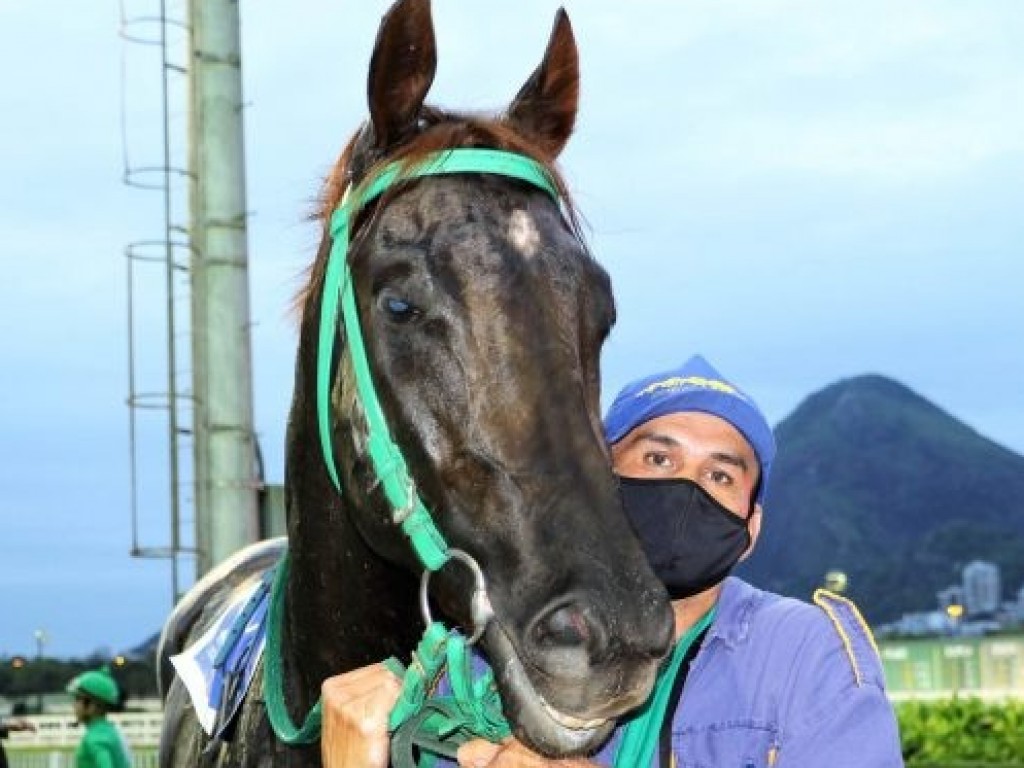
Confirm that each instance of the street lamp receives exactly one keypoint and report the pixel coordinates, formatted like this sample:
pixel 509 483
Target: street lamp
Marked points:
pixel 836 581
pixel 41 640
pixel 955 611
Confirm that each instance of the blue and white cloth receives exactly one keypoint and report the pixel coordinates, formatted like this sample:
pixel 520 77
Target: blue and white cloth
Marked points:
pixel 218 668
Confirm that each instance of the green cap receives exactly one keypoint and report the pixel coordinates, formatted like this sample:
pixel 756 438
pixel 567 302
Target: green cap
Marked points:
pixel 97 683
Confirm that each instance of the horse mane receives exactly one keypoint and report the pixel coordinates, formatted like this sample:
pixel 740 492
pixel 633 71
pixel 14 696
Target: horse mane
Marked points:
pixel 444 130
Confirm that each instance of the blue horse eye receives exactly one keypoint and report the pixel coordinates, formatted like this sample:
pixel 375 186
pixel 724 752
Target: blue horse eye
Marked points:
pixel 399 309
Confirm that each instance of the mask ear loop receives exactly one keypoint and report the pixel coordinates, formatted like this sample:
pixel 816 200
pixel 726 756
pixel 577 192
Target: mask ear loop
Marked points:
pixel 750 516
pixel 754 495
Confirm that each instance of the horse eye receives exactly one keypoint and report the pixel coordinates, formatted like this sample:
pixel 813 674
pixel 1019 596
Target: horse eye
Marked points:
pixel 400 309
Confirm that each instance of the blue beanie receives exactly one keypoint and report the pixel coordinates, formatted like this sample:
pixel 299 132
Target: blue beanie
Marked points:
pixel 693 386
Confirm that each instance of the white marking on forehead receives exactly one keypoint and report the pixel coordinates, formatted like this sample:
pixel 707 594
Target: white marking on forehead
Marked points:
pixel 522 232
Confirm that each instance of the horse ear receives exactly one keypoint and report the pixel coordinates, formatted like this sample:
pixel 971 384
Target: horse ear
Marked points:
pixel 544 110
pixel 401 70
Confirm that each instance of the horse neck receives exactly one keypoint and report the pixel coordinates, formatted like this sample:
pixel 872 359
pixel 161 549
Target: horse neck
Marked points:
pixel 346 607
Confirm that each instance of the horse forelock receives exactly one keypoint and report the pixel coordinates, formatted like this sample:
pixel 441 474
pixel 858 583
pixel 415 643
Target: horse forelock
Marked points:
pixel 443 130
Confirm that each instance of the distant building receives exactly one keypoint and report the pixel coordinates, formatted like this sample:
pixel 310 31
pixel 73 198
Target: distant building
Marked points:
pixel 982 588
pixel 918 625
pixel 1017 608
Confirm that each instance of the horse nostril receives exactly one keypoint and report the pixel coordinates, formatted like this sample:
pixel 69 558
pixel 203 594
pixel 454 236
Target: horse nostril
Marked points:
pixel 569 627
pixel 566 626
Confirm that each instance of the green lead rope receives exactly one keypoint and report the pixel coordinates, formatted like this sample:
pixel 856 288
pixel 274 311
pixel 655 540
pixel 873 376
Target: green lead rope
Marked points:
pixel 273 674
pixel 438 725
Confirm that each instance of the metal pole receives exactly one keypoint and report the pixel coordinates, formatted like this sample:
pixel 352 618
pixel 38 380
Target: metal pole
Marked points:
pixel 197 240
pixel 174 471
pixel 40 636
pixel 226 500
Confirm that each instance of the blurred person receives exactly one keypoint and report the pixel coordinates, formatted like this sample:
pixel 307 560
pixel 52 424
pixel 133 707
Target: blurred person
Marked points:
pixel 96 693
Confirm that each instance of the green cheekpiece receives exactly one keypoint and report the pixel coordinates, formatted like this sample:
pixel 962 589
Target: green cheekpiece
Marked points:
pixel 474 708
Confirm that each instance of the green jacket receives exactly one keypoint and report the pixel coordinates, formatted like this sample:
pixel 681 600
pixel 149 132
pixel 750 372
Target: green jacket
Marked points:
pixel 102 746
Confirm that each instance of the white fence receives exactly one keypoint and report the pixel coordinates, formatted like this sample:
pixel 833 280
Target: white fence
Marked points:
pixel 140 729
pixel 52 744
pixel 66 759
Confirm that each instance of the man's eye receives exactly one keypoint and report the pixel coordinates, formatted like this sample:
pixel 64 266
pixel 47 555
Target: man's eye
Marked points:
pixel 659 460
pixel 721 478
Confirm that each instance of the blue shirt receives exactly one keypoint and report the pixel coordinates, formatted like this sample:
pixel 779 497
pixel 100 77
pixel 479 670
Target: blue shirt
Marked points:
pixel 780 682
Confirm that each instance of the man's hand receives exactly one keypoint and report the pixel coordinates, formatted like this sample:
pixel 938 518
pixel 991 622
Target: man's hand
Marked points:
pixel 510 754
pixel 356 706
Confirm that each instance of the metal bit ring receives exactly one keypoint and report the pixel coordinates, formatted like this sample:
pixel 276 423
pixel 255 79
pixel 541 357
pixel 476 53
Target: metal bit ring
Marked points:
pixel 480 609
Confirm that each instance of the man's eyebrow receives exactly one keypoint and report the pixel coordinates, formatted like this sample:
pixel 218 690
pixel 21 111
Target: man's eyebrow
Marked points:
pixel 731 458
pixel 658 437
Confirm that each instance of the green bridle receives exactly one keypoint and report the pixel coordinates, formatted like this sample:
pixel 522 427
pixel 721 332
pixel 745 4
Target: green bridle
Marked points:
pixel 389 464
pixel 477 704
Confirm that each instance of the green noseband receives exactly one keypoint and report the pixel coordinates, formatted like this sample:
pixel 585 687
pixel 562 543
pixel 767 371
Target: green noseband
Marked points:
pixel 388 462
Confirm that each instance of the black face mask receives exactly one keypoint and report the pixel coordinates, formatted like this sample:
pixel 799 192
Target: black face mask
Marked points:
pixel 691 541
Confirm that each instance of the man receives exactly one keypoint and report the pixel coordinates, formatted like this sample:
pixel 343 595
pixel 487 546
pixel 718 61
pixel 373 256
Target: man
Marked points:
pixel 774 681
pixel 95 694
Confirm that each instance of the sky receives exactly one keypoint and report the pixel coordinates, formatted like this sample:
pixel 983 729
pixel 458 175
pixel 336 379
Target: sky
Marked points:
pixel 800 191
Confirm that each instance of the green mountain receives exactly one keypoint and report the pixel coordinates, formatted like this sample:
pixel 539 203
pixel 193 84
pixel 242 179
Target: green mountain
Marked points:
pixel 876 481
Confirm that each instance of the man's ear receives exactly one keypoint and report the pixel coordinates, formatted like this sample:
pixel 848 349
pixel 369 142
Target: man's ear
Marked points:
pixel 754 526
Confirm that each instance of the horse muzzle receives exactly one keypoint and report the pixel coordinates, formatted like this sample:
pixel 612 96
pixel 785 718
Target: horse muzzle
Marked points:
pixel 535 722
pixel 569 674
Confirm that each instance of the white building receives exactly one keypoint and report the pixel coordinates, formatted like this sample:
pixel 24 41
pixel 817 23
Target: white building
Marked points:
pixel 982 588
pixel 920 624
pixel 1017 608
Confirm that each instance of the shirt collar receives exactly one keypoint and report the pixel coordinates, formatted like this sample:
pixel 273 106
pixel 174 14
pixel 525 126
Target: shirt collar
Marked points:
pixel 736 604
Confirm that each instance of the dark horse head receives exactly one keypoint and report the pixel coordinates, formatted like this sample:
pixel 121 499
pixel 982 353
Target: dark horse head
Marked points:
pixel 483 316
